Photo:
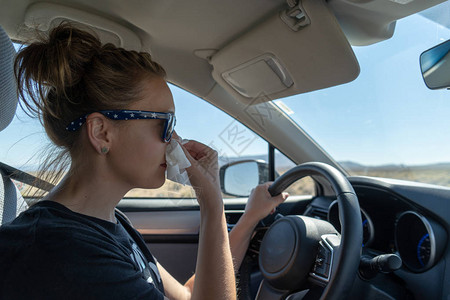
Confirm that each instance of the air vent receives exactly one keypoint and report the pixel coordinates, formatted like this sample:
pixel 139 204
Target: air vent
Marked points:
pixel 255 243
pixel 317 213
pixel 232 217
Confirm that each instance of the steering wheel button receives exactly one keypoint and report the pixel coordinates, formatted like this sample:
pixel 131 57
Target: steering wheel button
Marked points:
pixel 319 261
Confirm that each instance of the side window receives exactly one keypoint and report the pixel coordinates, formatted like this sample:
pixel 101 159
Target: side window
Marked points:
pixel 24 144
pixel 201 121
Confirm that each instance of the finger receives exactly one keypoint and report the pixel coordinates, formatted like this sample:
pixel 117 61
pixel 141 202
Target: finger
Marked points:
pixel 267 184
pixel 194 155
pixel 196 145
pixel 197 149
pixel 186 152
pixel 281 198
pixel 176 136
pixel 196 161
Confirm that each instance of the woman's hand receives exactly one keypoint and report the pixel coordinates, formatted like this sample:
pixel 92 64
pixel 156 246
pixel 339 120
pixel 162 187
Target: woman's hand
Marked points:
pixel 261 203
pixel 204 170
pixel 204 159
pixel 214 277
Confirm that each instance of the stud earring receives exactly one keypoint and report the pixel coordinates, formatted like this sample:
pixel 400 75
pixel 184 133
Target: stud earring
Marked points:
pixel 105 150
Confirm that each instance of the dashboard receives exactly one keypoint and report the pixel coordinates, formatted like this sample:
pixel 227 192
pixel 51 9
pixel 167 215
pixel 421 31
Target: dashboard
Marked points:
pixel 399 214
pixel 408 219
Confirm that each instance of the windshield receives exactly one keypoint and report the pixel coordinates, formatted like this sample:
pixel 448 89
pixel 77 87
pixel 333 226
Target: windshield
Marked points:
pixel 386 123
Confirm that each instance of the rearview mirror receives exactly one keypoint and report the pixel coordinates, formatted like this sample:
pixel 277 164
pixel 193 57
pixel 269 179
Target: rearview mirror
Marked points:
pixel 435 66
pixel 239 178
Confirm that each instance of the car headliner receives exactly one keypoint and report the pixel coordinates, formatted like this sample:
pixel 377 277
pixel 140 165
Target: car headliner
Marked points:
pixel 174 32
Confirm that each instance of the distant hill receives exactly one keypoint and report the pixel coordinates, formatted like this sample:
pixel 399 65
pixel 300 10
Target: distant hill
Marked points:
pixel 281 160
pixel 354 167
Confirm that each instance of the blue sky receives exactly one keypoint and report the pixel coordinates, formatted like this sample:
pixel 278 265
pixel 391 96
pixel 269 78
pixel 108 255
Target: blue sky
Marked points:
pixel 386 115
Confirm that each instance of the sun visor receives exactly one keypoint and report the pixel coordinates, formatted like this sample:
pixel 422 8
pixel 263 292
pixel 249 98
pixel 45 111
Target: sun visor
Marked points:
pixel 297 50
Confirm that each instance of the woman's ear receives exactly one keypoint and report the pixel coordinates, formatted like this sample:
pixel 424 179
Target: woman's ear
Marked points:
pixel 99 132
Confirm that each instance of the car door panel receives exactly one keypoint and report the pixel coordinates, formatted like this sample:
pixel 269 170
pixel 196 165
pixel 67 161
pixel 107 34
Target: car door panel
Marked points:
pixel 170 227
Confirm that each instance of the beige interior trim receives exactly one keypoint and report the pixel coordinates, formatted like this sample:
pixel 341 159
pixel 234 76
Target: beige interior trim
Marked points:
pixel 175 31
pixel 366 22
pixel 44 15
pixel 316 57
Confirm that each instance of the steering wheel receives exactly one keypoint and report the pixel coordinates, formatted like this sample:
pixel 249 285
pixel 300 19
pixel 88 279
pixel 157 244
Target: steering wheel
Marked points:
pixel 299 253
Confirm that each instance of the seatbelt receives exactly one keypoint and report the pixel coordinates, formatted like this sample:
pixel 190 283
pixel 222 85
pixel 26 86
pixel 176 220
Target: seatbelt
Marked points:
pixel 29 179
pixel 24 177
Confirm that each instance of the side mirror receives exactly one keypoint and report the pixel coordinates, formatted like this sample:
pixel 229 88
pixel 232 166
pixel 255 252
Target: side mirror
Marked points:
pixel 435 66
pixel 240 177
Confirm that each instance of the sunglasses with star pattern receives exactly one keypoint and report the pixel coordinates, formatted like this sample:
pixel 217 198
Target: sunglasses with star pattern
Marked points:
pixel 168 117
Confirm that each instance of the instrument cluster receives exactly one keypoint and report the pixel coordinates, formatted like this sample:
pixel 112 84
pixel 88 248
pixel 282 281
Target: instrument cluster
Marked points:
pixel 419 241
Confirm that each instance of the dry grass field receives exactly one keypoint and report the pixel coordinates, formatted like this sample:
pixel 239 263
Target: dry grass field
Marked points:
pixel 175 190
pixel 438 174
pixel 431 174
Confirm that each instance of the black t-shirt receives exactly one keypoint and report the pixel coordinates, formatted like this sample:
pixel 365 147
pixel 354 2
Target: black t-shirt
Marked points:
pixel 51 252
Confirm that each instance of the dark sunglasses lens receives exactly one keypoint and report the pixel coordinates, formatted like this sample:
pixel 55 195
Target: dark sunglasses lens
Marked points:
pixel 170 128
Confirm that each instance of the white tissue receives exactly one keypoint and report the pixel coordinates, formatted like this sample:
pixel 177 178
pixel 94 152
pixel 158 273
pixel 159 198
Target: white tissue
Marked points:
pixel 177 163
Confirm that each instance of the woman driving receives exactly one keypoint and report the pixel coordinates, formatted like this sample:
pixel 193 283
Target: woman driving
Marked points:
pixel 111 112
